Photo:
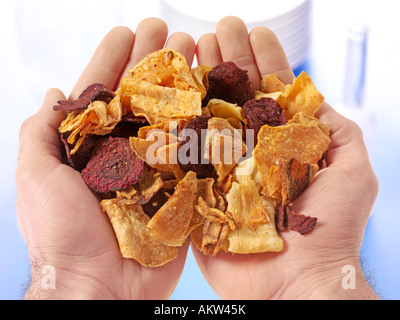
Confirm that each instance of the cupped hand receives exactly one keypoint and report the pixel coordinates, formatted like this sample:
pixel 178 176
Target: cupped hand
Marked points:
pixel 341 196
pixel 60 218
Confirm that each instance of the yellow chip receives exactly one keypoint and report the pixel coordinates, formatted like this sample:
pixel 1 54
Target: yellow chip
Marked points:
pixel 302 96
pixel 163 101
pixel 135 240
pixel 222 109
pixel 224 146
pixel 257 217
pixel 171 222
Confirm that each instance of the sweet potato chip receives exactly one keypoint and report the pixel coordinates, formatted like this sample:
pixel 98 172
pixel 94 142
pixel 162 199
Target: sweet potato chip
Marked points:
pixel 302 96
pixel 275 144
pixel 271 84
pixel 169 225
pixel 135 240
pixel 295 178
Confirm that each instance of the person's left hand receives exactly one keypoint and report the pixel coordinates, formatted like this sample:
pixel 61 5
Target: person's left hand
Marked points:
pixel 61 220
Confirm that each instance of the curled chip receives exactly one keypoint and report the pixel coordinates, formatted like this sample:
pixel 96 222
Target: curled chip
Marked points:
pixel 191 148
pixel 95 92
pixel 261 112
pixel 229 83
pixel 99 118
pixel 114 166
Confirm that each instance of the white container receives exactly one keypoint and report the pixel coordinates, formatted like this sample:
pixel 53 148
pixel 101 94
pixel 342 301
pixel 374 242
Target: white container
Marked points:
pixel 289 19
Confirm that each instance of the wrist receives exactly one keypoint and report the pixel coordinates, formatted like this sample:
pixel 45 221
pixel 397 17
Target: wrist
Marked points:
pixel 52 283
pixel 343 280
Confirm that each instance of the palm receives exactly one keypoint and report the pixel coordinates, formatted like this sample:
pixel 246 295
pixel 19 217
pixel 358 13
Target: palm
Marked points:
pixel 59 214
pixel 239 276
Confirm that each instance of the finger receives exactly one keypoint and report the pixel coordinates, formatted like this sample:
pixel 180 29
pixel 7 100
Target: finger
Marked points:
pixel 108 61
pixel 150 35
pixel 269 55
pixel 39 134
pixel 208 51
pixel 183 43
pixel 233 40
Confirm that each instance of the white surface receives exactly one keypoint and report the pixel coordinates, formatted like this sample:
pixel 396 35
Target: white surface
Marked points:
pixel 49 45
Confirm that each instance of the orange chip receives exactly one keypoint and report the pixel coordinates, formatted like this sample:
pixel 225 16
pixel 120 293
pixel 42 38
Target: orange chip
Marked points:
pixel 169 225
pixel 295 178
pixel 134 239
pixel 302 96
pixel 276 144
pixel 271 83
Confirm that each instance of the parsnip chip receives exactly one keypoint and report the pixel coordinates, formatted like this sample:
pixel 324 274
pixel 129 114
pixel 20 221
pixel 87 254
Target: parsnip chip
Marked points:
pixel 134 239
pixel 276 144
pixel 302 96
pixel 164 101
pixel 222 109
pixel 224 146
pixel 169 225
pixel 200 76
pixel 257 216
pixel 156 151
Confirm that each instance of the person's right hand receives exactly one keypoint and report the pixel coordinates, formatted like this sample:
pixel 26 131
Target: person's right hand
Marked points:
pixel 341 196
pixel 61 220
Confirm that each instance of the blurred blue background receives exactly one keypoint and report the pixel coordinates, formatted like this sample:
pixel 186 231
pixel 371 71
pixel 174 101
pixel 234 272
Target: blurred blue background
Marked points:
pixel 48 43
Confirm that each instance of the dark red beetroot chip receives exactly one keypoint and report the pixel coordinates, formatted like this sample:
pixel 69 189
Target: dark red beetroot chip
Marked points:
pixel 113 166
pixel 229 83
pixel 95 92
pixel 79 160
pixel 192 140
pixel 286 218
pixel 261 112
pixel 129 126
